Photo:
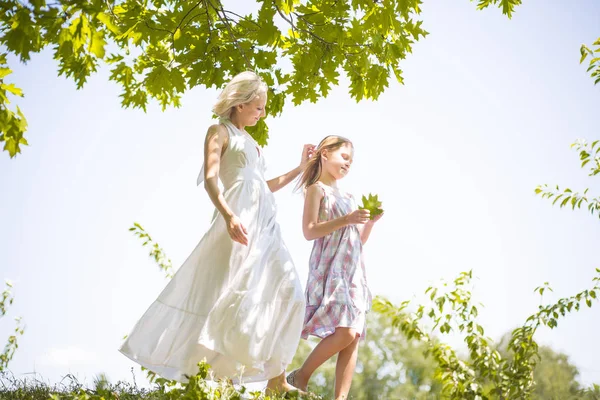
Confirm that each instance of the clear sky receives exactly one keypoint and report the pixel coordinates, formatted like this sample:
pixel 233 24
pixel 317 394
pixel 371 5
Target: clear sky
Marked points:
pixel 488 111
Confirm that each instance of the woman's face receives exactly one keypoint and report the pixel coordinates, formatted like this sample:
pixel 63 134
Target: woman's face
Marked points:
pixel 250 113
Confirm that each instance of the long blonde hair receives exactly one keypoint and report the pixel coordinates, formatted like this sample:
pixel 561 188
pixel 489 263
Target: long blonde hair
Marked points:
pixel 314 168
pixel 242 89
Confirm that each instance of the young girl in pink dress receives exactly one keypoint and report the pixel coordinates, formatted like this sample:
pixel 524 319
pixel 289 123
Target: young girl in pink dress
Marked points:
pixel 337 295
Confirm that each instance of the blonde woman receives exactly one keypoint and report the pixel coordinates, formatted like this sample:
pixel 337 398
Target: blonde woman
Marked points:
pixel 236 301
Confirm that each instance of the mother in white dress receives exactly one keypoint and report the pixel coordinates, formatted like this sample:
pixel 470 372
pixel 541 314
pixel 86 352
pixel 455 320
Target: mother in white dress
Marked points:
pixel 237 300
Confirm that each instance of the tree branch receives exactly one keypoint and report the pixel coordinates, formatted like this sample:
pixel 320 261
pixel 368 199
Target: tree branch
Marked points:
pixel 158 29
pixel 225 20
pixel 208 19
pixel 319 38
pixel 186 15
pixel 243 18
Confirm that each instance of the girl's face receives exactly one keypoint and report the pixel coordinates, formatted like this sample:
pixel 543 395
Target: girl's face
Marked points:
pixel 250 113
pixel 338 162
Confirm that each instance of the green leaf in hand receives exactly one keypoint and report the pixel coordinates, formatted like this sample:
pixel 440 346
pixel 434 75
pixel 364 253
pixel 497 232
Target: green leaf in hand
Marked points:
pixel 372 204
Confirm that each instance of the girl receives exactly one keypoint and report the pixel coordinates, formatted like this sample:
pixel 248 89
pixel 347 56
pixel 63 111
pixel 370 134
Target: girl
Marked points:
pixel 337 296
pixel 236 300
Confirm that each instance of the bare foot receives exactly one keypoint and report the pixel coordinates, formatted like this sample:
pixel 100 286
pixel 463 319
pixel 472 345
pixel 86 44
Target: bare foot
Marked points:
pixel 279 385
pixel 273 389
pixel 300 380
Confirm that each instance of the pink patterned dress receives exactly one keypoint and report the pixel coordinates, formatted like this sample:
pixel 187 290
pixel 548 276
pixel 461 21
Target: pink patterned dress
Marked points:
pixel 337 295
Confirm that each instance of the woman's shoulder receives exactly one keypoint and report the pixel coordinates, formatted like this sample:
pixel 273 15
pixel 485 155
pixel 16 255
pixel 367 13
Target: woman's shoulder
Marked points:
pixel 217 129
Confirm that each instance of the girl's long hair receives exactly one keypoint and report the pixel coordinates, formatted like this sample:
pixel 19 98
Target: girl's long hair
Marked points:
pixel 313 170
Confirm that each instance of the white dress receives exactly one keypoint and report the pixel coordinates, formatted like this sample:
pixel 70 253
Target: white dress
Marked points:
pixel 240 307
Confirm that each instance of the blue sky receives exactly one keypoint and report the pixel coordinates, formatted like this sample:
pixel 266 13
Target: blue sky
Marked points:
pixel 488 111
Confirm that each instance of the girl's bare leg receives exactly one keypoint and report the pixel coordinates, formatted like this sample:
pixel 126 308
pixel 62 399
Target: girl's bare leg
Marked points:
pixel 328 347
pixel 344 369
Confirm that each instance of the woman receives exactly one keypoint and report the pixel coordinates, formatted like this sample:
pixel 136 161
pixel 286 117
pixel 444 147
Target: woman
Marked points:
pixel 237 300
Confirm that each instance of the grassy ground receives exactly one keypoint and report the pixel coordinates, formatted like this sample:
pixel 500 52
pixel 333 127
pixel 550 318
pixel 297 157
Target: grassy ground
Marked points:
pixel 69 388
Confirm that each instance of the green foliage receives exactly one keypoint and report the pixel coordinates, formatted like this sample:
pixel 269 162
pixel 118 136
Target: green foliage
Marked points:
pixel 156 252
pixel 372 204
pixel 7 298
pixel 554 376
pixel 587 153
pixel 12 124
pixel 486 374
pixel 158 49
pixel 507 6
pixel 568 198
pixel 591 393
pixel 594 65
pixel 12 345
pixel 198 388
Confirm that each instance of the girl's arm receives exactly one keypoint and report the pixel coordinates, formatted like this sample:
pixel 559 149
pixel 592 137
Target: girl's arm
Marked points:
pixel 281 181
pixel 215 143
pixel 313 229
pixel 365 230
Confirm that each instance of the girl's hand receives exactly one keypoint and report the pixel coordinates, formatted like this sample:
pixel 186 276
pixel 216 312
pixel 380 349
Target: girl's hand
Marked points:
pixel 307 153
pixel 375 219
pixel 360 216
pixel 237 231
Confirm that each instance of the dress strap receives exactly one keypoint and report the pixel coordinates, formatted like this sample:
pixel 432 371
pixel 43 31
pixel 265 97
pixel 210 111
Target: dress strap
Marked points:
pixel 231 129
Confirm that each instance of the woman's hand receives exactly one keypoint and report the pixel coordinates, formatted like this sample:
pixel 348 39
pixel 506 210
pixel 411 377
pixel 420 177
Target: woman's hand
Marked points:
pixel 360 216
pixel 237 231
pixel 307 153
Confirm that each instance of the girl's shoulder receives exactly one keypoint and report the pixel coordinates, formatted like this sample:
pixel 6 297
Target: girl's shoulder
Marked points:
pixel 319 191
pixel 335 191
pixel 316 189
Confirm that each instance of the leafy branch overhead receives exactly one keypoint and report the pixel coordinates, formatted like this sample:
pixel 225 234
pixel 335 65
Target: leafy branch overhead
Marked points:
pixel 159 49
pixel 12 123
